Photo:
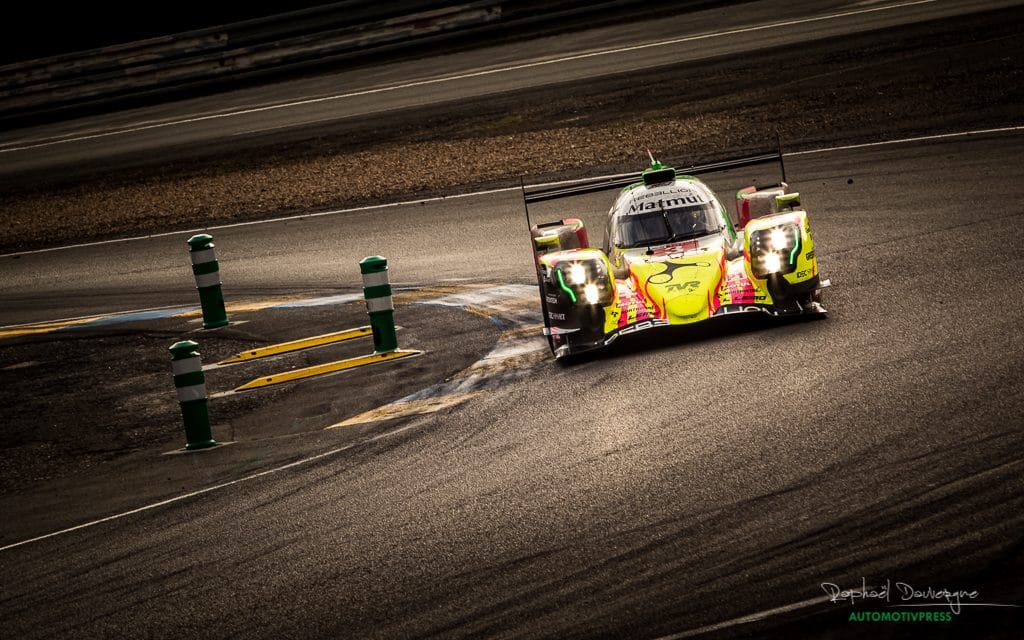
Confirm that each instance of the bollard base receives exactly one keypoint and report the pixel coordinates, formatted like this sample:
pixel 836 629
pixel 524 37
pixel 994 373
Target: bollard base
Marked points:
pixel 185 450
pixel 205 444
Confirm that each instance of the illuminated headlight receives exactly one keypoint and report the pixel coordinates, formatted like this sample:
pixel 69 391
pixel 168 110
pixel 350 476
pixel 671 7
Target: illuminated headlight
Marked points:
pixel 585 282
pixel 577 274
pixel 775 250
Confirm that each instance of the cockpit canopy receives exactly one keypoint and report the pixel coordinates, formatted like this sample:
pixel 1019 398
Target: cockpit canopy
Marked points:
pixel 646 216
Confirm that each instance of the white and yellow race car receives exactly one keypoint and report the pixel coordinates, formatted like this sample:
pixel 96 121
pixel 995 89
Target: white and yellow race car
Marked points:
pixel 672 256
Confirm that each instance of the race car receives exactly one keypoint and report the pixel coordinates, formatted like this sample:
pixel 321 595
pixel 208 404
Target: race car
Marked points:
pixel 671 256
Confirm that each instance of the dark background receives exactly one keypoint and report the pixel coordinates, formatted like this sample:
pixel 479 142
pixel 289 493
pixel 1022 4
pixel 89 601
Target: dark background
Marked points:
pixel 40 30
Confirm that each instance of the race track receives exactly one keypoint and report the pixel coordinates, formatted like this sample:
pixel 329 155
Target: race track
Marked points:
pixel 708 482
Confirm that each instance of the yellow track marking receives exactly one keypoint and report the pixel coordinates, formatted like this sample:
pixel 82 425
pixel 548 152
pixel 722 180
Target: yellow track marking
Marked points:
pixel 429 293
pixel 323 369
pixel 477 312
pixel 43 327
pixel 401 409
pixel 246 306
pixel 298 345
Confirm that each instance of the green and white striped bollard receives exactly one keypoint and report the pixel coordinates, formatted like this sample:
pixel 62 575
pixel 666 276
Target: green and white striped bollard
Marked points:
pixel 377 292
pixel 190 382
pixel 207 272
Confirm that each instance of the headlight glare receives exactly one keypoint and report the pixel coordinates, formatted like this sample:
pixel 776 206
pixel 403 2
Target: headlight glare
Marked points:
pixel 778 238
pixel 577 274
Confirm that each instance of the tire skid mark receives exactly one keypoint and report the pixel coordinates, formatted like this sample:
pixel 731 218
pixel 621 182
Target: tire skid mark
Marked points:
pixel 521 349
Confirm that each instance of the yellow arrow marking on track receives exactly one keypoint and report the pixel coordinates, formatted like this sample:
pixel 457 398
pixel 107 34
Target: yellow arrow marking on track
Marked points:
pixel 298 345
pixel 323 369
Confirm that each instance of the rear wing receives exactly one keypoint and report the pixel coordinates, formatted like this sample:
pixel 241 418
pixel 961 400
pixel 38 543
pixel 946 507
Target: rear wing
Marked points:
pixel 540 193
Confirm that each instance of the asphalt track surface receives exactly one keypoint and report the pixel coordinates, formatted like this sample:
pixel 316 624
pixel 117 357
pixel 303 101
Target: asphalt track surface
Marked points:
pixel 668 486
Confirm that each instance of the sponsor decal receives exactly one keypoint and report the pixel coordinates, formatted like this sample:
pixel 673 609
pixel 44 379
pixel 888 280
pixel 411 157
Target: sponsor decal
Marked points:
pixel 677 250
pixel 726 309
pixel 666 203
pixel 631 308
pixel 636 311
pixel 664 277
pixel 672 192
pixel 688 287
pixel 640 326
pixel 551 299
pixel 739 289
pixel 556 316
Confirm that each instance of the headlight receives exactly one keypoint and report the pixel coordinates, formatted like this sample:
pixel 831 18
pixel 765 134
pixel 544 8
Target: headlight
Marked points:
pixel 774 250
pixel 577 274
pixel 586 281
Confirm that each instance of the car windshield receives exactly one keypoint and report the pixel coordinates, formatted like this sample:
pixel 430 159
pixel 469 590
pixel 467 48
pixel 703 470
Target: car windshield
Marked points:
pixel 666 225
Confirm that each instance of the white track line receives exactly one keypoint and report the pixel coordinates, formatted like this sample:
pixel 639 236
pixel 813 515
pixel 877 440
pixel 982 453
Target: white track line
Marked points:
pixel 216 487
pixel 300 216
pixel 25 145
pixel 403 203
pixel 940 136
pixel 754 617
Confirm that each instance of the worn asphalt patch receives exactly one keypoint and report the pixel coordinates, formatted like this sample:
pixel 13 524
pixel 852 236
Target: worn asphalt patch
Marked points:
pixel 520 349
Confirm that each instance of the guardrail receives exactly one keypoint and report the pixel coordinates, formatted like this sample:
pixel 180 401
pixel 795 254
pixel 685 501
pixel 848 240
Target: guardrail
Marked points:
pixel 314 36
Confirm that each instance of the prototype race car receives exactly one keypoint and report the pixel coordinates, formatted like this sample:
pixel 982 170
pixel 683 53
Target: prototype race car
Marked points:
pixel 672 256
